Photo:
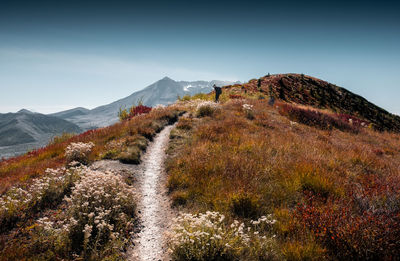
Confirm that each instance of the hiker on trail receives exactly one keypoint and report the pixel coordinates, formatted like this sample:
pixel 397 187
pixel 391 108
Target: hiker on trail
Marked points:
pixel 271 101
pixel 218 92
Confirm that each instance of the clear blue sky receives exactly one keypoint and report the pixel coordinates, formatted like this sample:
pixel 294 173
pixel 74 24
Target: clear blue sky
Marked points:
pixel 56 55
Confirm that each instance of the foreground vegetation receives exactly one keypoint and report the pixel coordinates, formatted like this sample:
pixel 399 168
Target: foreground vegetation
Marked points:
pixel 253 179
pixel 53 206
pixel 331 183
pixel 124 140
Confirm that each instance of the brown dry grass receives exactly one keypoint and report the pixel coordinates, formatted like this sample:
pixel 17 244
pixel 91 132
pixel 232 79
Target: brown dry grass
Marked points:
pixel 270 165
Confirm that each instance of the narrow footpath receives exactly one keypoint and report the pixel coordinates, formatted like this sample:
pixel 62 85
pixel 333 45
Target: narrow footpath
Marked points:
pixel 153 206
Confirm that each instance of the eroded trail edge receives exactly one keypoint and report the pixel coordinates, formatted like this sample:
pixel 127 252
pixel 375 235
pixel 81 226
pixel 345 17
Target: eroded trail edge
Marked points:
pixel 154 206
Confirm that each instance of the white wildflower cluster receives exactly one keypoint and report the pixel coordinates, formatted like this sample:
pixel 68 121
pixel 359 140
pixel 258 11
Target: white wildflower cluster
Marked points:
pixel 202 103
pixel 78 151
pixel 248 110
pixel 159 107
pixel 99 209
pixel 42 191
pixel 206 236
pixel 247 107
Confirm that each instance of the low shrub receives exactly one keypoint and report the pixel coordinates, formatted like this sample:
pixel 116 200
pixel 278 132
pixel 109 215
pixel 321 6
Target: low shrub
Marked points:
pixel 317 185
pixel 205 109
pixel 20 204
pixel 248 110
pixel 206 236
pixel 245 205
pixel 99 217
pixel 179 198
pixel 184 123
pixel 130 156
pixel 135 110
pixel 78 151
pixel 138 110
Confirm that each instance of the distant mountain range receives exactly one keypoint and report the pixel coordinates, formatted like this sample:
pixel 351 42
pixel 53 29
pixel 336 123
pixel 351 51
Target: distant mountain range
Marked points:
pixel 164 91
pixel 26 130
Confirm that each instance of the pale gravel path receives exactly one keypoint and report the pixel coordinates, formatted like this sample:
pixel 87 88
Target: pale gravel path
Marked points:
pixel 154 207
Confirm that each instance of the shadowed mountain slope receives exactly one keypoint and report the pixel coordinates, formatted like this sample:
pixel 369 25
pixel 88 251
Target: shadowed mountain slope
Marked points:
pixel 26 127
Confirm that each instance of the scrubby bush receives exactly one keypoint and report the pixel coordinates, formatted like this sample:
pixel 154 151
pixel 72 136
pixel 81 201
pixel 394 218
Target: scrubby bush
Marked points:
pixel 133 111
pixel 179 198
pixel 20 203
pixel 206 236
pixel 184 123
pixel 78 151
pixel 130 156
pixel 138 110
pixel 99 217
pixel 123 114
pixel 245 205
pixel 248 110
pixel 206 108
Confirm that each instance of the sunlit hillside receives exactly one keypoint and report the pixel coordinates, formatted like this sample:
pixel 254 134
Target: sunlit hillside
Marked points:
pixel 256 176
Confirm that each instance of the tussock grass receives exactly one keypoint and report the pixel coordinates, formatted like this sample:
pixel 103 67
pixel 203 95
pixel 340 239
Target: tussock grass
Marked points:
pixel 310 175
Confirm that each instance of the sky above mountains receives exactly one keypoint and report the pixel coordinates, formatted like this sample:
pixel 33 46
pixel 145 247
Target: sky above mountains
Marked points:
pixel 55 55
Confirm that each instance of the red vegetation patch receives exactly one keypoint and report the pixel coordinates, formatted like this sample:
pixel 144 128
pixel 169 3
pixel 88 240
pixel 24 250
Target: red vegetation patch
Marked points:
pixel 353 120
pixel 137 110
pixel 315 118
pixel 365 226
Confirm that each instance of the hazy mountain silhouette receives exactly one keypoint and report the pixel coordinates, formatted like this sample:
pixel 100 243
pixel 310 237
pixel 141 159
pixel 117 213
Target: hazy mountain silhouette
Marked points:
pixel 27 127
pixel 164 91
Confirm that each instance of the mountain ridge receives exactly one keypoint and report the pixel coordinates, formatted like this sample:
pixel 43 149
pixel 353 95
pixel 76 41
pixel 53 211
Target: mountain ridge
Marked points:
pixel 308 90
pixel 27 127
pixel 164 91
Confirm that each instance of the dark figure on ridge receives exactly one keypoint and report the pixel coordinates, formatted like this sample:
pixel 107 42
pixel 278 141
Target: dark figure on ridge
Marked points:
pixel 271 101
pixel 218 92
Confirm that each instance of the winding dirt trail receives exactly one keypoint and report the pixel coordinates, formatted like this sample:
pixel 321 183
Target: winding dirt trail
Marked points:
pixel 154 206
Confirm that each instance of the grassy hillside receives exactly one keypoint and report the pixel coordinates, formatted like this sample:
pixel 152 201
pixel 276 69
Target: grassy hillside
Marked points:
pixel 37 222
pixel 253 180
pixel 333 186
pixel 307 90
